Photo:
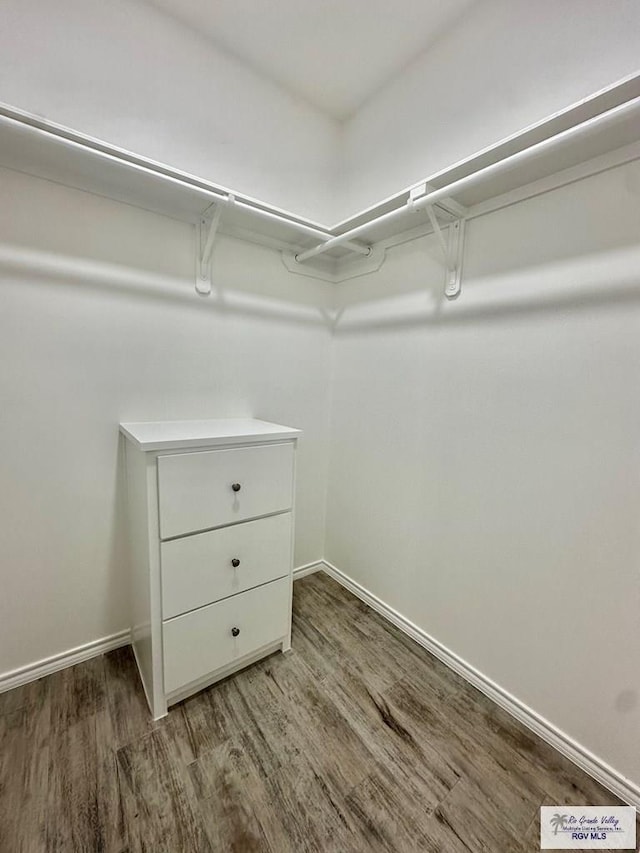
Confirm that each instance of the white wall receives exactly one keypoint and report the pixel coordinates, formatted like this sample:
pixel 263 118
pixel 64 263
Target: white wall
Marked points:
pixel 99 323
pixel 126 72
pixel 505 65
pixel 485 456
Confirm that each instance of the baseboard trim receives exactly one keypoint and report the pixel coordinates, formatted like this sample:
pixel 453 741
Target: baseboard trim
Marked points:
pixel 46 666
pixel 308 569
pixel 595 767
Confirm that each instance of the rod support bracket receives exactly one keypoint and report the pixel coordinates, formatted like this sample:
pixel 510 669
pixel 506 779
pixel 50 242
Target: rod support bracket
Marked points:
pixel 206 230
pixel 453 284
pixel 452 250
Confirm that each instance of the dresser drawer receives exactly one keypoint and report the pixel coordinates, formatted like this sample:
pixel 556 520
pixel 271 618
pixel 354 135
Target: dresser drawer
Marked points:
pixel 198 569
pixel 202 641
pixel 196 490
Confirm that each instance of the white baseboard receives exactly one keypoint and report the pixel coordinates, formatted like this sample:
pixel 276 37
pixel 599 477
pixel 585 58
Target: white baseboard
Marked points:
pixel 46 666
pixel 308 569
pixel 595 767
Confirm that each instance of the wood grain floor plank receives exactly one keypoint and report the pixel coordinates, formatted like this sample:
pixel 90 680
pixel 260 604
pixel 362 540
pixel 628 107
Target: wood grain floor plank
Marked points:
pixel 314 817
pixel 390 744
pixel 161 810
pixel 511 786
pixel 85 807
pixel 273 738
pixel 346 643
pixel 234 802
pixel 129 711
pixel 127 703
pixel 425 661
pixel 531 762
pixel 324 595
pixel 331 744
pixel 270 745
pixel 410 766
pixel 392 818
pixel 561 779
pixel 472 816
pixel 430 670
pixel 27 695
pixel 246 706
pixel 526 755
pixel 208 719
pixel 356 700
pixel 321 656
pixel 24 770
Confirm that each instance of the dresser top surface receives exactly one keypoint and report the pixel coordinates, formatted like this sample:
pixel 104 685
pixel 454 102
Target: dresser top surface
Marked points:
pixel 170 435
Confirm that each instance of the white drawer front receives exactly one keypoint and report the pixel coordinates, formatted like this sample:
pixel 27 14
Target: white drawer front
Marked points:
pixel 198 570
pixel 201 642
pixel 196 489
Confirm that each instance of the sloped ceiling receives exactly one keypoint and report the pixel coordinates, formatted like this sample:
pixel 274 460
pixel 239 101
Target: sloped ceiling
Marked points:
pixel 334 54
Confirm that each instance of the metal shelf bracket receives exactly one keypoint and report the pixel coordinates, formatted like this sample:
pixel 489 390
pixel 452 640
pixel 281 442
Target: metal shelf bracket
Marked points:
pixel 452 251
pixel 453 284
pixel 206 230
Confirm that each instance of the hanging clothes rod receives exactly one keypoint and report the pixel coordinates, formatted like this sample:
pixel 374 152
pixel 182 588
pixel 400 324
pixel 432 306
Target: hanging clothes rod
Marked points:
pixel 300 226
pixel 430 198
pixel 126 159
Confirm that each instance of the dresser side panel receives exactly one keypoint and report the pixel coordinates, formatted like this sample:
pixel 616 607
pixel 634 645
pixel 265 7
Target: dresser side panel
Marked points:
pixel 142 511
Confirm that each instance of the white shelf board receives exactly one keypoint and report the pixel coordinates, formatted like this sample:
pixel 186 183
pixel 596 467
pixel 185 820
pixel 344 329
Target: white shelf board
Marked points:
pixel 611 119
pixel 64 156
pixel 169 435
pixel 623 132
pixel 28 149
pixel 619 132
pixel 598 133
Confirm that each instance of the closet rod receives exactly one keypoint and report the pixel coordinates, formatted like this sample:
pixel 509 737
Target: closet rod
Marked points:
pixel 80 142
pixel 307 229
pixel 450 189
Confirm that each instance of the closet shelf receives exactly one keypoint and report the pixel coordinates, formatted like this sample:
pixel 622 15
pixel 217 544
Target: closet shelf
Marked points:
pixel 597 133
pixel 38 147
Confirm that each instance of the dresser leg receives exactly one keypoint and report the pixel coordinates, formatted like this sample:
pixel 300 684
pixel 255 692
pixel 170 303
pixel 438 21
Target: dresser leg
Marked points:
pixel 159 707
pixel 286 645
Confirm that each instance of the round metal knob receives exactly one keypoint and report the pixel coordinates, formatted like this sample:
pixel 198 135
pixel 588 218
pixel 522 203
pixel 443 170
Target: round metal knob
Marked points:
pixel 236 487
pixel 235 562
pixel 235 632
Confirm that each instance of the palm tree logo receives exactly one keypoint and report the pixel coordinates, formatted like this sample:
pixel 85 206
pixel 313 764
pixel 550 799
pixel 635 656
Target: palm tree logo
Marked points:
pixel 558 821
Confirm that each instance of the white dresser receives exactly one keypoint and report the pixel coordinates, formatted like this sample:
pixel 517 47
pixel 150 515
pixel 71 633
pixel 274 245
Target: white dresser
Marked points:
pixel 210 506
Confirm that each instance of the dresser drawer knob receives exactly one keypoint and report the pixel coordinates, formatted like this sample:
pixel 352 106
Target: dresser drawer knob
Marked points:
pixel 235 632
pixel 236 487
pixel 235 562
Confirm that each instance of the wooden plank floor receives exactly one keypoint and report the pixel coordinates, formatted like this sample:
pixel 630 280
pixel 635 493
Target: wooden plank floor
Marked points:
pixel 357 740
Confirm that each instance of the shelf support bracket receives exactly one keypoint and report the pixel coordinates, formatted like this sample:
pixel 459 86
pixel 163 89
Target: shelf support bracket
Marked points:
pixel 438 232
pixel 206 231
pixel 453 284
pixel 451 251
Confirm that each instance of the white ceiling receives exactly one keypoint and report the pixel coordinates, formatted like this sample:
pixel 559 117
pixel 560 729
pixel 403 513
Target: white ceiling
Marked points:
pixel 333 53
